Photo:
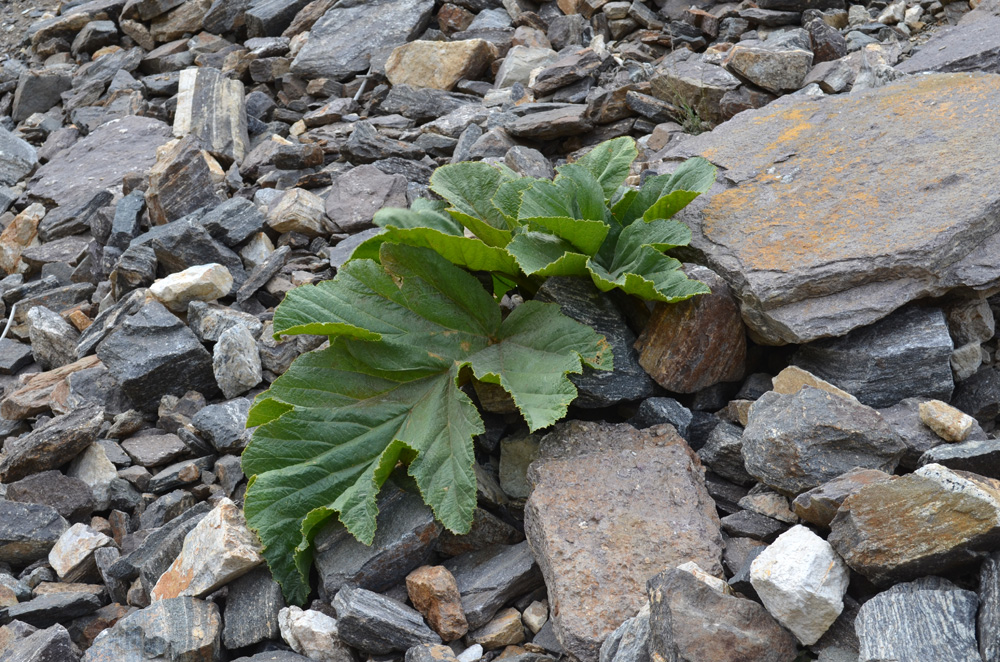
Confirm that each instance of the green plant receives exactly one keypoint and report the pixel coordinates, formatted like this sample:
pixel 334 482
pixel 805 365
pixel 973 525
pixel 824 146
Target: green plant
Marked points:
pixel 409 326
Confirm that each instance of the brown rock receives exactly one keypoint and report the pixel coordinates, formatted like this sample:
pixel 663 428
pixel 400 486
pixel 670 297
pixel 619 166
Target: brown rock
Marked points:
pixel 182 181
pixel 924 523
pixel 689 621
pixel 690 345
pixel 793 378
pixel 819 505
pixel 682 80
pixel 504 630
pixel 19 235
pixel 611 506
pixel 439 64
pixel 434 593
pixel 35 397
pixel 185 19
pixel 452 18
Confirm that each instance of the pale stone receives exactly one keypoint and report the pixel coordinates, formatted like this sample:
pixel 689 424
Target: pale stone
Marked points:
pixel 793 378
pixel 20 234
pixel 801 581
pixel 216 551
pixel 212 106
pixel 504 630
pixel 536 615
pixel 719 585
pixel 236 362
pixel 72 557
pixel 438 64
pixel 471 654
pixel 206 282
pixel 949 423
pixel 313 634
pixel 256 251
pixel 298 210
pixel 93 467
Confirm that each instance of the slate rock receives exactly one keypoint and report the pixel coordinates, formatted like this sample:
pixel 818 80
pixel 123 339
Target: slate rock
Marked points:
pixel 379 625
pixel 224 425
pixel 913 623
pixel 152 450
pixel 212 107
pixel 491 577
pixel 360 192
pixel 14 356
pixel 907 354
pixel 979 395
pixel 776 68
pixel 630 642
pixel 904 418
pixel 38 92
pixel 53 339
pixel 154 354
pixel 236 362
pixel 183 629
pixel 28 531
pixel 71 497
pixel 404 539
pixel 750 524
pixel 51 644
pixel 582 301
pixel 601 474
pixel 926 522
pixel 989 607
pixel 46 610
pixel 559 122
pixel 981 457
pixel 182 181
pixel 819 505
pixel 796 442
pixel 350 38
pixel 269 18
pixel 812 276
pixel 51 445
pixel 972 46
pixel 17 158
pixel 656 411
pixel 157 551
pixel 438 64
pixel 184 243
pixel 233 222
pixel 723 453
pixel 688 80
pixel 252 607
pixel 106 154
pixel 689 621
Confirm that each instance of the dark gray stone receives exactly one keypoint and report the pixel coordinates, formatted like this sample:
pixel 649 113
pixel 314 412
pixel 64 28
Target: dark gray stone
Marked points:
pixel 154 354
pixel 47 610
pixel 252 607
pixel 974 45
pixel 17 158
pixel 169 478
pixel 367 145
pixel 110 319
pixel 71 497
pixel 234 221
pixel 51 445
pixel 13 356
pixel 799 441
pixel 723 453
pixel 175 629
pixel 358 34
pixel 488 579
pixel 988 618
pixel 135 268
pixel 75 217
pixel 273 656
pixel 904 418
pixel 224 425
pixel 654 411
pixel 630 642
pixel 104 558
pixel 422 104
pixel 165 508
pixel 269 18
pixel 52 644
pixel 128 216
pixel 980 456
pixel 378 625
pixel 263 273
pixel 579 299
pixel 911 623
pixel 907 354
pixel 357 195
pixel 748 524
pixel 28 531
pixel 979 395
pixel 159 549
pixel 39 91
pixel 404 539
pixel 152 450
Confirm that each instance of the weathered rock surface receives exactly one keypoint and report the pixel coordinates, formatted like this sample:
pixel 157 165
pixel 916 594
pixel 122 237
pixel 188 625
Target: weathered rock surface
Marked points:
pixel 314 634
pixel 51 446
pixel 379 625
pixel 844 264
pixel 603 476
pixel 213 107
pixel 185 629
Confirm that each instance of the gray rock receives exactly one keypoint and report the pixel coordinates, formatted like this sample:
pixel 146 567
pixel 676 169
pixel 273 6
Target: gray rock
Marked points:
pixel 180 474
pixel 252 607
pixel 28 531
pixel 17 158
pixel 379 625
pixel 38 92
pixel 269 18
pixel 799 441
pixel 356 35
pixel 51 445
pixel 561 121
pixel 45 611
pixel 118 147
pixel 234 221
pixel 154 354
pixel 72 498
pixel 776 68
pixel 14 356
pixel 135 269
pixel 51 644
pixel 182 181
pixel 723 453
pixel 224 425
pixel 908 623
pixel 904 418
pixel 152 450
pixel 988 618
pixel 748 524
pixel 907 354
pixel 236 362
pixel 801 282
pixel 974 45
pixel 212 107
pixel 978 456
pixel 184 629
pixel 53 339
pixel 582 301
pixel 263 273
pixel 356 195
pixel 367 145
pixel 490 578
pixel 404 539
pixel 273 656
pixel 630 642
pixel 157 551
pixel 210 320
pixel 656 411
pixel 979 395
pixel 689 81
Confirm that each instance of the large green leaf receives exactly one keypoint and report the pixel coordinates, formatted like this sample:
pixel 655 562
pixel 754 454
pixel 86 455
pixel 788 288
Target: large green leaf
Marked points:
pixel 574 193
pixel 637 266
pixel 692 178
pixel 609 163
pixel 470 187
pixel 386 390
pixel 544 254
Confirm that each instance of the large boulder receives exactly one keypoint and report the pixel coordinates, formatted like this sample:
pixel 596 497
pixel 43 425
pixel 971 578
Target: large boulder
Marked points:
pixel 832 212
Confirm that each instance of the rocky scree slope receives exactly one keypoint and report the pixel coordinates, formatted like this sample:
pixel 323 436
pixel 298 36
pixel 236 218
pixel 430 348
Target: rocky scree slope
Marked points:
pixel 800 465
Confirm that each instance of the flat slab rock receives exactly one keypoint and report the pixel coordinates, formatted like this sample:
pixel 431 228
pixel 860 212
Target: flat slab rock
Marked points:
pixel 177 629
pixel 831 212
pixel 611 507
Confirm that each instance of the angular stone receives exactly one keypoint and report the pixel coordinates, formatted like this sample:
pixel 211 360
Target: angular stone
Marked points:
pixel 153 450
pixel 216 551
pixel 53 339
pixel 689 620
pixel 926 522
pixel 750 524
pixel 314 634
pixel 17 158
pixel 438 64
pixel 379 625
pixel 688 81
pixel 224 425
pixel 53 643
pixel 819 505
pixel 437 653
pixel 793 378
pixel 298 210
pixel 565 120
pixel 14 356
pixel 184 629
pixel 234 221
pixel 105 155
pixel 491 577
pixel 71 497
pixel 981 456
pixel 46 610
pixel 601 475
pixel 206 282
pixel 434 593
pixel 236 362
pixel 184 243
pixel 504 630
pixel 519 62
pixel 28 531
pixel 359 193
pixel 36 395
pixel 367 145
pixel 20 234
pixel 694 344
pixel 723 453
pixel 910 622
pixel 52 445
pixel 905 355
pixel 157 551
pixel 269 18
pixel 972 46
pixel 154 354
pixel 182 181
pixel 805 277
pixel 774 69
pixel 904 418
pixel 253 604
pixel 38 92
pixel 796 442
pixel 947 422
pixel 93 467
pixel 656 411
pixel 72 557
pixel 349 39
pixel 212 107
pixel 209 321
pixel 801 581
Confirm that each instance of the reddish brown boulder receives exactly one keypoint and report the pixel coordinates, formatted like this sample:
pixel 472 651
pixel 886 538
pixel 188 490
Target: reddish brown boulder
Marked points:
pixel 434 593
